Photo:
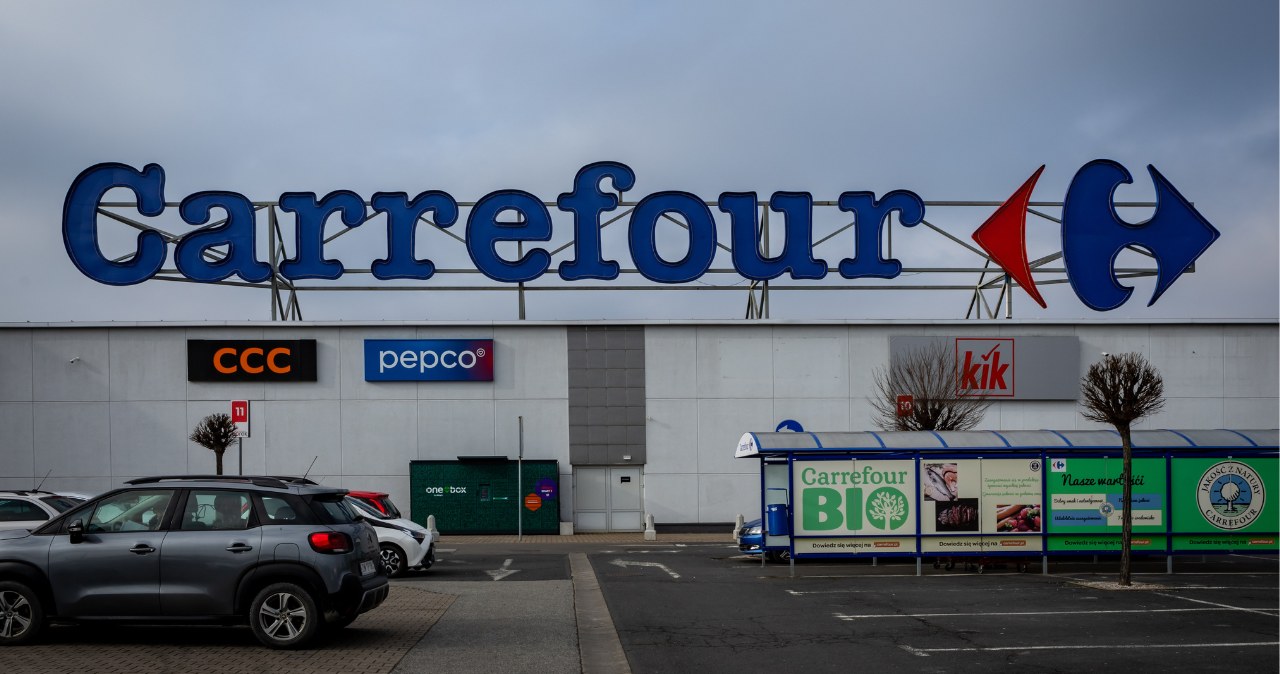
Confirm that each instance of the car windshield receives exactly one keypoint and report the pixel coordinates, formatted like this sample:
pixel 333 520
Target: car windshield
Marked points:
pixel 388 509
pixel 366 509
pixel 62 503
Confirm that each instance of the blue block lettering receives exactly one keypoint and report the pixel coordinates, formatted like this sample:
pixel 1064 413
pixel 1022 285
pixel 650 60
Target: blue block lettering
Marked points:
pixel 644 244
pixel 402 226
pixel 308 259
pixel 587 202
pixel 484 232
pixel 80 223
pixel 797 251
pixel 236 233
pixel 870 218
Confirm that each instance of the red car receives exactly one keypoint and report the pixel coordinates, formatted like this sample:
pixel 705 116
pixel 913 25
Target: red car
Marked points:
pixel 379 500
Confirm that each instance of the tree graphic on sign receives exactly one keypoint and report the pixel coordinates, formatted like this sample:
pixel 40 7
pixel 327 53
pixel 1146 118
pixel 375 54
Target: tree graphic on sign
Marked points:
pixel 888 506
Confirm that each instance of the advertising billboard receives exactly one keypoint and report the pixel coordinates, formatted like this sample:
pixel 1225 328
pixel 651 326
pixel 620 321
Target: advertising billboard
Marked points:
pixel 981 505
pixel 1085 503
pixel 1224 504
pixel 868 499
pixel 251 360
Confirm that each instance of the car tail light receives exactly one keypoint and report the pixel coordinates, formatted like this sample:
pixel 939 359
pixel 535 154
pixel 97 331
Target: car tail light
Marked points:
pixel 332 542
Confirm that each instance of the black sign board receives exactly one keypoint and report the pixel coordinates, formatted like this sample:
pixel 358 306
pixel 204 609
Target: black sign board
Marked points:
pixel 251 360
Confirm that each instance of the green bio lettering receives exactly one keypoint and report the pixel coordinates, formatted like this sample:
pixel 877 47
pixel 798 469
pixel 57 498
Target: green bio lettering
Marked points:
pixel 822 509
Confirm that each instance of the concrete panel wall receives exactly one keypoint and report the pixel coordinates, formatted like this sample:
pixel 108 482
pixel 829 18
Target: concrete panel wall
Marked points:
pixel 98 405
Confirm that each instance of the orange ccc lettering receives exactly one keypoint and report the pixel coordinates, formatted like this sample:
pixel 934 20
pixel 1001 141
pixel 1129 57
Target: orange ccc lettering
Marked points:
pixel 251 367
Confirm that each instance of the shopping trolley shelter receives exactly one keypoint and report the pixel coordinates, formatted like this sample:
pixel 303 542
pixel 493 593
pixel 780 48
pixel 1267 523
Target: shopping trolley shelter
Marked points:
pixel 1031 495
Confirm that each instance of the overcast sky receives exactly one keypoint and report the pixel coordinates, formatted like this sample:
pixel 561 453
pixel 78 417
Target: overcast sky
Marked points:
pixel 952 100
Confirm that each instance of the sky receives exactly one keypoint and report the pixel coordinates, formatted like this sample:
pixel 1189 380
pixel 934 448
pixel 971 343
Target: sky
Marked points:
pixel 952 101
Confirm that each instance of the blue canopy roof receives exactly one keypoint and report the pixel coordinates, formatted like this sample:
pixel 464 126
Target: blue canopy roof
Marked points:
pixel 763 444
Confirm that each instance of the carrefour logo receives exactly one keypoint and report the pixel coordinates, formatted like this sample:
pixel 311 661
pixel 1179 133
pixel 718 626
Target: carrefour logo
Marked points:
pixel 1231 495
pixel 1092 234
pixel 428 360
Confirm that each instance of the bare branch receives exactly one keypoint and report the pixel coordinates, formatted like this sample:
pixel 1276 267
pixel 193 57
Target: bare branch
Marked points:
pixel 931 376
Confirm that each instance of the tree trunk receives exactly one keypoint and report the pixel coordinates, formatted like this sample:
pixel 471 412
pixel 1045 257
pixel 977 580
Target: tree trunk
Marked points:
pixel 1126 502
pixel 217 453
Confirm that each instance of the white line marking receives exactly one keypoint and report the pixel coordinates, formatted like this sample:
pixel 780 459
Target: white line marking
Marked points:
pixel 625 563
pixel 506 570
pixel 926 652
pixel 1222 606
pixel 842 616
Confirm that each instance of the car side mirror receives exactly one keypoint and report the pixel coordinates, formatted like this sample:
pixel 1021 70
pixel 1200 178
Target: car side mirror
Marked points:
pixel 76 530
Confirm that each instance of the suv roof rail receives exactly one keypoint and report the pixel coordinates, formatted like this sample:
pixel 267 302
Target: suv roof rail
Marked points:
pixel 293 480
pixel 26 492
pixel 258 480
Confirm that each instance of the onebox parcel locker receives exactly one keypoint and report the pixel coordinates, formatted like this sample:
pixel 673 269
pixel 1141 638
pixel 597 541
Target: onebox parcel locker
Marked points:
pixel 1015 493
pixel 487 495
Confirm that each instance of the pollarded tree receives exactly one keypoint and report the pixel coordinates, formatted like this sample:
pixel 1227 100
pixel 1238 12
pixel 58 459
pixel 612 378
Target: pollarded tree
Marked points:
pixel 215 432
pixel 931 375
pixel 1119 391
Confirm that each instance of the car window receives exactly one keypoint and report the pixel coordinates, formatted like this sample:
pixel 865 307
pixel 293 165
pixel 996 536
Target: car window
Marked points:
pixel 62 503
pixel 20 510
pixel 141 510
pixel 278 510
pixel 332 509
pixel 363 508
pixel 216 509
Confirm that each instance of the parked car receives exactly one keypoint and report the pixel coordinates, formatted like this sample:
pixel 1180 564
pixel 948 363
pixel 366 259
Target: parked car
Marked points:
pixel 287 559
pixel 31 508
pixel 751 542
pixel 380 500
pixel 404 544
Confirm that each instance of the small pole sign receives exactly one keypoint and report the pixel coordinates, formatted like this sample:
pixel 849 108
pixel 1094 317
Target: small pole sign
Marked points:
pixel 906 405
pixel 240 417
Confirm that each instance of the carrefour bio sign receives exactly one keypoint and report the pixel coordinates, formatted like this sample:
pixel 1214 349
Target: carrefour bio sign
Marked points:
pixel 1092 234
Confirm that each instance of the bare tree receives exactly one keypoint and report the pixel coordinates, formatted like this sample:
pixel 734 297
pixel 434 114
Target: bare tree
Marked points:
pixel 215 432
pixel 1120 390
pixel 930 374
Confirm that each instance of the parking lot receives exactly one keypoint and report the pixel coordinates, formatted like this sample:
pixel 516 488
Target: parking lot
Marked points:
pixel 499 606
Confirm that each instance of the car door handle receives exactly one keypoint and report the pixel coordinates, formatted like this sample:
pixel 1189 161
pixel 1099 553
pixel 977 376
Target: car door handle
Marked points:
pixel 142 549
pixel 240 547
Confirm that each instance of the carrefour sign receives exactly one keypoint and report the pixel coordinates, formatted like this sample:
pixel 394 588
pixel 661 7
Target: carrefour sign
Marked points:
pixel 428 360
pixel 1092 234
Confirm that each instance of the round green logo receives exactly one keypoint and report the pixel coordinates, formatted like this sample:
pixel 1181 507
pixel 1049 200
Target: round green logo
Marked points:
pixel 887 509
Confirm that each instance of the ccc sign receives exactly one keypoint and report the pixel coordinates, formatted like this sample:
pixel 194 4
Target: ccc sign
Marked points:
pixel 251 360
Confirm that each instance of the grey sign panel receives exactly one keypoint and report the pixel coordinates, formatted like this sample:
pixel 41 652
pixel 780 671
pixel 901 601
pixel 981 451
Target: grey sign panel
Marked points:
pixel 1007 367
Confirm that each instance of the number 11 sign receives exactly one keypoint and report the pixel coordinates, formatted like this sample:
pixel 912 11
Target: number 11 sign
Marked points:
pixel 240 417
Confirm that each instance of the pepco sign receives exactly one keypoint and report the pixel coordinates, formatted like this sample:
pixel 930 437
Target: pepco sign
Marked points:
pixel 251 360
pixel 428 360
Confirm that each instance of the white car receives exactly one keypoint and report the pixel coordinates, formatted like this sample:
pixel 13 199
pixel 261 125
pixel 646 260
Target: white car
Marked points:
pixel 405 544
pixel 31 508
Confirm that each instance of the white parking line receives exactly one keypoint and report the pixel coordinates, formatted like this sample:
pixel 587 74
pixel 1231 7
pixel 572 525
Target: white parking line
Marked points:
pixel 870 616
pixel 926 652
pixel 1266 612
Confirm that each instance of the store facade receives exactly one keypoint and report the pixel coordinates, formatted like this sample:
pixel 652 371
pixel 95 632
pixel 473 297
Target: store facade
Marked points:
pixel 640 418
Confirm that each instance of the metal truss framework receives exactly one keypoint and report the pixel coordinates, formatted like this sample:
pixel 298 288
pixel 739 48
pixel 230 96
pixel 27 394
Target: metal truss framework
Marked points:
pixel 989 296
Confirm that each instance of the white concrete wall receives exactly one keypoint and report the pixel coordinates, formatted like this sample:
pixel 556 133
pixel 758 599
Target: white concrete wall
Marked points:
pixel 96 406
pixel 707 385
pixel 124 408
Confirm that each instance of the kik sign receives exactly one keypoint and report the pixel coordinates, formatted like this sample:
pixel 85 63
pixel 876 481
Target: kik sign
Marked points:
pixel 985 367
pixel 1092 235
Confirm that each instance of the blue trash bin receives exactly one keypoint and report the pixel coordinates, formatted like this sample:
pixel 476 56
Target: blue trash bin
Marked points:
pixel 776 519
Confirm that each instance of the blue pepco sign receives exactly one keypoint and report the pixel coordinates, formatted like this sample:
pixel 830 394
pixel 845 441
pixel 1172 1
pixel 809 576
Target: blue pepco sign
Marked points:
pixel 428 360
pixel 1092 235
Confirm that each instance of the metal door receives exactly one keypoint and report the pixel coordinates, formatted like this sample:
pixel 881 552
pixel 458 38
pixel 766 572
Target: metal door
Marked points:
pixel 608 498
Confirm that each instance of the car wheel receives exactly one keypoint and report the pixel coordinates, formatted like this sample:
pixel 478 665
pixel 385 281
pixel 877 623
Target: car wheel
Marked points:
pixel 21 614
pixel 779 555
pixel 430 558
pixel 284 615
pixel 393 560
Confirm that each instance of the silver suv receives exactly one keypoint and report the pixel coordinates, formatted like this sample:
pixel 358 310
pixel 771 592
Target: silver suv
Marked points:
pixel 287 557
